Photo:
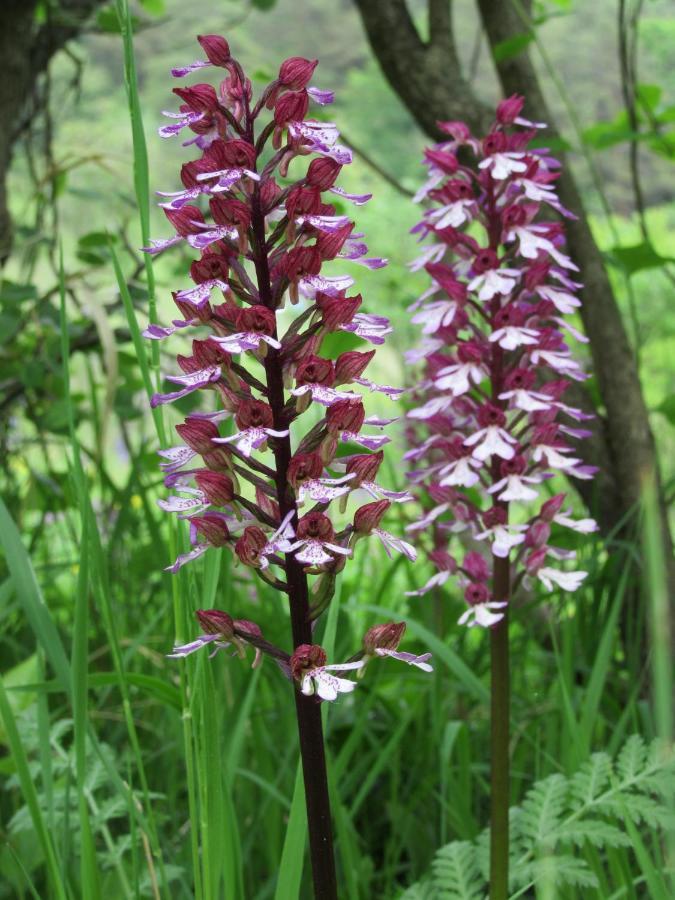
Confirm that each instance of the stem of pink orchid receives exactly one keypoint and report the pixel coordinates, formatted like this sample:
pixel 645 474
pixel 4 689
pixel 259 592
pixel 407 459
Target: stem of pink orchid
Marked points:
pixel 499 740
pixel 308 709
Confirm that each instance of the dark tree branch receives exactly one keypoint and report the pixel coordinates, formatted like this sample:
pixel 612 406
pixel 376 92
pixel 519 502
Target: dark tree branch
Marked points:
pixel 427 77
pixel 26 50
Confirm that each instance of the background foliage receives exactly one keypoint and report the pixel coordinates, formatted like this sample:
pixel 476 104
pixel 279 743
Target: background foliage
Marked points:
pixel 128 775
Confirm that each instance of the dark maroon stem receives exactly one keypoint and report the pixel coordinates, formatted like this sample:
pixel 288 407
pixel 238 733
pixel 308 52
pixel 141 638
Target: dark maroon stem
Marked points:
pixel 500 688
pixel 308 709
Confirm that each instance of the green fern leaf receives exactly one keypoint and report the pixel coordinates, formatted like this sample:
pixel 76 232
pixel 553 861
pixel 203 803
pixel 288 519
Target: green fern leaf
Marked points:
pixel 562 870
pixel 423 890
pixel 592 778
pixel 594 831
pixel 632 759
pixel 542 809
pixel 456 872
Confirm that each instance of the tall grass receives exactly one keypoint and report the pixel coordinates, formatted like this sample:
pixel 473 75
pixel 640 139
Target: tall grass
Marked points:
pixel 131 776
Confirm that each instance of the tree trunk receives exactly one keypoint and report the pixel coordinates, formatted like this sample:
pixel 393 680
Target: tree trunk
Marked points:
pixel 25 50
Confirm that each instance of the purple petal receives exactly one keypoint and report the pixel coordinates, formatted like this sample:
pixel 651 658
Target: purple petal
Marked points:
pixel 200 241
pixel 182 71
pixel 159 332
pixel 181 650
pixel 176 457
pixel 327 285
pixel 323 98
pixel 157 246
pixel 184 558
pixel 356 199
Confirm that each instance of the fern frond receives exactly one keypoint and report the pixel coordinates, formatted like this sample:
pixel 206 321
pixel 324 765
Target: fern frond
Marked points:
pixel 592 778
pixel 543 808
pixel 596 832
pixel 631 761
pixel 423 890
pixel 561 815
pixel 456 872
pixel 562 870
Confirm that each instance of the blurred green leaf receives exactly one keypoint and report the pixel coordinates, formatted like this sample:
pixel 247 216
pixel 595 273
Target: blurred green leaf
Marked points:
pixel 512 46
pixel 10 292
pixel 606 134
pixel 154 7
pixel 667 408
pixel 107 21
pixel 650 95
pixel 638 257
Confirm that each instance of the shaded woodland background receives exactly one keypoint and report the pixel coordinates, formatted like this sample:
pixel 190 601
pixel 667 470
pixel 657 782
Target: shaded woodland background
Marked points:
pixel 602 74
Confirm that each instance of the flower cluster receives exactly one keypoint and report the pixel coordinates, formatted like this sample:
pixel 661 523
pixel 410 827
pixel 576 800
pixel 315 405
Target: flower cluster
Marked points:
pixel 490 424
pixel 307 665
pixel 242 476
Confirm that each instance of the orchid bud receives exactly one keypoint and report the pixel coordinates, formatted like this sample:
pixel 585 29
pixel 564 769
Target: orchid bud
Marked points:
pixel 336 311
pixel 199 97
pixel 291 107
pixel 250 545
pixel 351 365
pixel 552 507
pixel 383 637
pixel 198 433
pixel 446 162
pixel 295 73
pixel 322 173
pixel 369 516
pixel 245 630
pixel 537 534
pixel 345 415
pixel 364 467
pixel 476 566
pixel 185 220
pixel 212 526
pixel 216 48
pixel 215 621
pixel 216 487
pixel 509 110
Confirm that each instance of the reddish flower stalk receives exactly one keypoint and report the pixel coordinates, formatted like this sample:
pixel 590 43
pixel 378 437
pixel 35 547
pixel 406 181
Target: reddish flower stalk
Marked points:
pixel 266 238
pixel 490 404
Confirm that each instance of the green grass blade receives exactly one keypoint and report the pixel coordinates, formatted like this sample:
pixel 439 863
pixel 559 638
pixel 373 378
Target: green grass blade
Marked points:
pixel 54 870
pixel 293 854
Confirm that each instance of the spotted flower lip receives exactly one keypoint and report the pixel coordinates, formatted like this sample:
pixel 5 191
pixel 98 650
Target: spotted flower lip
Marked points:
pixel 487 427
pixel 320 681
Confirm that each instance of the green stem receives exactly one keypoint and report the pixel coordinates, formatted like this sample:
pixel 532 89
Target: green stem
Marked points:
pixel 499 740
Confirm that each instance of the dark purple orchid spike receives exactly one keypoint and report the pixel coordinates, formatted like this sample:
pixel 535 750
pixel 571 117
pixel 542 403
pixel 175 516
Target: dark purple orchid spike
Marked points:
pixel 263 235
pixel 490 425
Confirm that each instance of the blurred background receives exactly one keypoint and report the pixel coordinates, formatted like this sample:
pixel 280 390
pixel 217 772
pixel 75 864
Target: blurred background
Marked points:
pixel 94 744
